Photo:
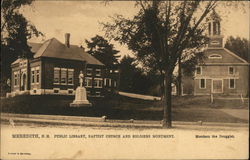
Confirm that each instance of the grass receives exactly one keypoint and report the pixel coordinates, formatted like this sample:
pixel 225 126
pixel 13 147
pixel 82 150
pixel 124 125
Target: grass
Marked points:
pixel 187 108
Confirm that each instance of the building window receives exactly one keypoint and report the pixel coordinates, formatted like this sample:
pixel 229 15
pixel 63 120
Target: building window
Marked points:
pixel 98 83
pixel 202 83
pixel 70 91
pixel 56 90
pixel 37 75
pixel 214 28
pixel 32 75
pixel 114 83
pixel 232 83
pixel 173 88
pixel 88 82
pixel 231 70
pixel 209 28
pixel 56 75
pixel 89 71
pixel 215 56
pixel 107 82
pixel 215 42
pixel 88 93
pixel 70 76
pixel 198 71
pixel 98 94
pixel 63 76
pixel 98 72
pixel 15 78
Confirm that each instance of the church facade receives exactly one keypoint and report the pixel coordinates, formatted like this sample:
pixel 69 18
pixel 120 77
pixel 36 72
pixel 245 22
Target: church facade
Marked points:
pixel 55 68
pixel 222 71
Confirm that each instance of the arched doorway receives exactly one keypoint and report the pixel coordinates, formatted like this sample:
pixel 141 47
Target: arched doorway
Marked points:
pixel 23 82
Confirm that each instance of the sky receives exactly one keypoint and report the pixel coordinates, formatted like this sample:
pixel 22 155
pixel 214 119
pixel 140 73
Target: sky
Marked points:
pixel 82 19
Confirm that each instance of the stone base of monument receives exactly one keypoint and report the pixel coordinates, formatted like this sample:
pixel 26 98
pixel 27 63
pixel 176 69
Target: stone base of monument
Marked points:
pixel 80 98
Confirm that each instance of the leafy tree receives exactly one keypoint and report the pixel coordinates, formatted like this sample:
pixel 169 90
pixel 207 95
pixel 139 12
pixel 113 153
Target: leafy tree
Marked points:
pixel 160 33
pixel 15 31
pixel 239 46
pixel 127 72
pixel 132 78
pixel 101 49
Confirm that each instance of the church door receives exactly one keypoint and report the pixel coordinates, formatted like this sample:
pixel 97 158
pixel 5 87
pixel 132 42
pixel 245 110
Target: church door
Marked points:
pixel 217 86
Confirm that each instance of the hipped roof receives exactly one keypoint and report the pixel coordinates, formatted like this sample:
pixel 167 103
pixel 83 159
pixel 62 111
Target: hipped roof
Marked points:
pixel 55 49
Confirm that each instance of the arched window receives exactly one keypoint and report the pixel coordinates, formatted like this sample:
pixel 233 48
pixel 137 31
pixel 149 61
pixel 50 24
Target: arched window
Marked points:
pixel 215 56
pixel 215 42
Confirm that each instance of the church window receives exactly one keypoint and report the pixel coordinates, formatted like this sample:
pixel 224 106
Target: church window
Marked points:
pixel 231 70
pixel 209 28
pixel 215 56
pixel 202 83
pixel 215 43
pixel 214 28
pixel 218 28
pixel 198 71
pixel 231 83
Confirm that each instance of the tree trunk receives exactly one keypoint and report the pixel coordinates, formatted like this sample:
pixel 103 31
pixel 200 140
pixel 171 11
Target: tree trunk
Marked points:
pixel 167 115
pixel 179 88
pixel 162 88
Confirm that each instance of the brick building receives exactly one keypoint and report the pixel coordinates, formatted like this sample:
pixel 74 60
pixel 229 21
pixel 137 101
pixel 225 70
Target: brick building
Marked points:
pixel 54 70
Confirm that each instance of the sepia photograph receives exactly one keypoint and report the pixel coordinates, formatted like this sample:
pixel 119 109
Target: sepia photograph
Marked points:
pixel 113 79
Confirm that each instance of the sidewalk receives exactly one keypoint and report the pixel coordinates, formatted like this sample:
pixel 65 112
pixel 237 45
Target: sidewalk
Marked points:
pixel 139 96
pixel 101 121
pixel 237 113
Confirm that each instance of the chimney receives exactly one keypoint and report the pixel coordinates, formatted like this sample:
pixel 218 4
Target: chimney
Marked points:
pixel 67 37
pixel 82 48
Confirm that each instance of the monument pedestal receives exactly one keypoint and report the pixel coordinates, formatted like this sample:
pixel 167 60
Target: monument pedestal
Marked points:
pixel 80 98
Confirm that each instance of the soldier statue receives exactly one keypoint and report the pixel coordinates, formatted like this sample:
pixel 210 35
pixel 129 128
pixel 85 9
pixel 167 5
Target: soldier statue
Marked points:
pixel 81 77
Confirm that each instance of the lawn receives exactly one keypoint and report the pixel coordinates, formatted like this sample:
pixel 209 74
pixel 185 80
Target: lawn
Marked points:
pixel 188 108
